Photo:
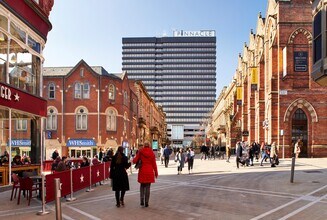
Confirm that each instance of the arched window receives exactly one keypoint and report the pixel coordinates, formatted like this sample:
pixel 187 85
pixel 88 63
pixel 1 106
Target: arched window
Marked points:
pixel 81 119
pixel 111 118
pixel 51 91
pixel 111 91
pixel 52 119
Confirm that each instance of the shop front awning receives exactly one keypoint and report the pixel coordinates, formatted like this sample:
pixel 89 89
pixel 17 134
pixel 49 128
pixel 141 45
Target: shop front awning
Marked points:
pixel 11 97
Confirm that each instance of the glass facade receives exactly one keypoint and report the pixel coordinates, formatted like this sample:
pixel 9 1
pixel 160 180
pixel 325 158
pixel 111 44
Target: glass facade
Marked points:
pixel 179 73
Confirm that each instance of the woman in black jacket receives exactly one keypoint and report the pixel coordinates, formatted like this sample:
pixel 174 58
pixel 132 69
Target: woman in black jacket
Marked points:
pixel 118 174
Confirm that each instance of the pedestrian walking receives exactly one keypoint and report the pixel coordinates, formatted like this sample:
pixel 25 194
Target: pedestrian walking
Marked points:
pixel 297 148
pixel 166 153
pixel 228 153
pixel 265 154
pixel 273 154
pixel 239 150
pixel 147 172
pixel 118 174
pixel 180 159
pixel 190 160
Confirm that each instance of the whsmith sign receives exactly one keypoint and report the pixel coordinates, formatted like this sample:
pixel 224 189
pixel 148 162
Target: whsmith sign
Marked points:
pixel 205 33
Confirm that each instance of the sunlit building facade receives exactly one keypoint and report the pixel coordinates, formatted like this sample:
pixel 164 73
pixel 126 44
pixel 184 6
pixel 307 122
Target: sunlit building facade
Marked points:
pixel 180 74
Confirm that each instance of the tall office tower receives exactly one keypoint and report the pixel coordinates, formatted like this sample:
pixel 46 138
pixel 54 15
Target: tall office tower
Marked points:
pixel 179 73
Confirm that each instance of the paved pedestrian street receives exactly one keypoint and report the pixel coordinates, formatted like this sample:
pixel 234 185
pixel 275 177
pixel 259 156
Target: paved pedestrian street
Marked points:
pixel 215 190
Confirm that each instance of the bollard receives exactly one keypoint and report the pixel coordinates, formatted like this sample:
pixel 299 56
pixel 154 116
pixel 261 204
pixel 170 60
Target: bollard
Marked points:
pixel 292 168
pixel 57 197
pixel 43 211
pixel 72 198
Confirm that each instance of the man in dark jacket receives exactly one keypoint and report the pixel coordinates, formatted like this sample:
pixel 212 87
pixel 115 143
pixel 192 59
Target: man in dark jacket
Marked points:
pixel 238 153
pixel 166 154
pixel 55 154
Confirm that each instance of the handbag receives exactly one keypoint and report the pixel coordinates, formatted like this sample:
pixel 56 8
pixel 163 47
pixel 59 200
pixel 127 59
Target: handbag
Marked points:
pixel 138 164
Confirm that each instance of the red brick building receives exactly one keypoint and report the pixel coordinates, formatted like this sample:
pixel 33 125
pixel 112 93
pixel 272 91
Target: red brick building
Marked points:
pixel 89 109
pixel 277 99
pixel 151 120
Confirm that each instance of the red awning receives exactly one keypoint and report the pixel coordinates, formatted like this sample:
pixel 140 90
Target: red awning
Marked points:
pixel 16 99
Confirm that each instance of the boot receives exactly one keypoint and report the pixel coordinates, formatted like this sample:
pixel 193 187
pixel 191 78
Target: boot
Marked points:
pixel 142 201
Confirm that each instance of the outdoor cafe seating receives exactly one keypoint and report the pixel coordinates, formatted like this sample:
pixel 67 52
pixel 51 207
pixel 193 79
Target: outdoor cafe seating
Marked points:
pixel 27 184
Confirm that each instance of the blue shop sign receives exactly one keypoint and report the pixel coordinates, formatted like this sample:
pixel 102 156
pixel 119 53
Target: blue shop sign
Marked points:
pixel 20 143
pixel 81 143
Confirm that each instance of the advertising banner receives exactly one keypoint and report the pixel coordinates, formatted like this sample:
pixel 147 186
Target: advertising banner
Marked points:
pixel 239 95
pixel 81 178
pixel 97 173
pixel 254 78
pixel 64 182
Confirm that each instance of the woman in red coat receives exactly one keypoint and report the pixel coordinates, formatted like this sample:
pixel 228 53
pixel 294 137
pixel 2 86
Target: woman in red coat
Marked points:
pixel 147 172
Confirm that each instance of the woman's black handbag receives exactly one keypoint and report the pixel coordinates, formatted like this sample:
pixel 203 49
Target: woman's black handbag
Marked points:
pixel 138 164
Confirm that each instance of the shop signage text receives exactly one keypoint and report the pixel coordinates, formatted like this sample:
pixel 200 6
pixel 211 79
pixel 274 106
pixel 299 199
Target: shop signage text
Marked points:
pixel 20 143
pixel 81 143
pixel 5 92
pixel 204 33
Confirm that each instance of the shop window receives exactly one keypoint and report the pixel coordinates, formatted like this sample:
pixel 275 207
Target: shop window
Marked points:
pixel 21 125
pixel 18 33
pixel 51 91
pixel 52 119
pixel 317 38
pixel 111 120
pixel 81 119
pixel 3 22
pixel 24 69
pixel 111 92
pixel 34 44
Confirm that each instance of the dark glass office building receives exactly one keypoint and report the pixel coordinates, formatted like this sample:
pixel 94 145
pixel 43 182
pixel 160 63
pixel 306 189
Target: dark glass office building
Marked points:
pixel 180 74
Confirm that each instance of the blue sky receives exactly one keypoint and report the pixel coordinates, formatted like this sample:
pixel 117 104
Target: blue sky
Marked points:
pixel 93 30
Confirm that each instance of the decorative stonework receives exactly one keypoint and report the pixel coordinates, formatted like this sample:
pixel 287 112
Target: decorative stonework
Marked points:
pixel 298 31
pixel 302 104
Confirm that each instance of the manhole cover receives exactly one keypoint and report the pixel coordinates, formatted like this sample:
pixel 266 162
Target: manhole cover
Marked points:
pixel 312 171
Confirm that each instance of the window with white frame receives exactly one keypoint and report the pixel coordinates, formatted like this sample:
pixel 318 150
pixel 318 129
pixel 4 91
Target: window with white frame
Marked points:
pixel 111 91
pixel 111 120
pixel 86 91
pixel 21 124
pixel 78 91
pixel 52 119
pixel 82 90
pixel 51 91
pixel 81 119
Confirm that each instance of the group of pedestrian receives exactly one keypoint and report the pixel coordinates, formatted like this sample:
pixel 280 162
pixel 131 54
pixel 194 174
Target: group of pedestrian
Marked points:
pixel 147 173
pixel 245 153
